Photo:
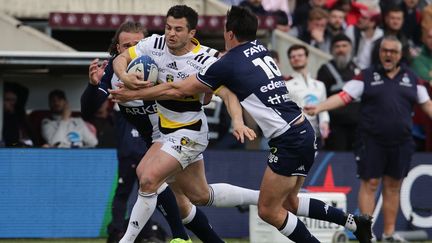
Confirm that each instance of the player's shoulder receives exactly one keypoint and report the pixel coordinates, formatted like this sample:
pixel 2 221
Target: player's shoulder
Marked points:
pixel 154 41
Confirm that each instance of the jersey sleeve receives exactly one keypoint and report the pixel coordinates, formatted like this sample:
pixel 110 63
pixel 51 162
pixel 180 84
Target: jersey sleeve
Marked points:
pixel 144 46
pixel 213 74
pixel 93 96
pixel 355 87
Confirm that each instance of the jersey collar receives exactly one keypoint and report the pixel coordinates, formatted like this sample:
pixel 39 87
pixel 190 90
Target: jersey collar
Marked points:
pixel 197 47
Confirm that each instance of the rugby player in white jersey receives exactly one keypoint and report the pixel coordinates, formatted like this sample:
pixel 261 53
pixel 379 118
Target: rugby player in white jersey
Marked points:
pixel 183 125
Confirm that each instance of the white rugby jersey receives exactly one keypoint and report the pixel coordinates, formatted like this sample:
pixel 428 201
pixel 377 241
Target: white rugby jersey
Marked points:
pixel 186 113
pixel 308 91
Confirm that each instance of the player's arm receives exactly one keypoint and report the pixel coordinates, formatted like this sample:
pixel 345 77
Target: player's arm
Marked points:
pixel 424 100
pixel 164 91
pixel 351 90
pixel 236 113
pixel 130 80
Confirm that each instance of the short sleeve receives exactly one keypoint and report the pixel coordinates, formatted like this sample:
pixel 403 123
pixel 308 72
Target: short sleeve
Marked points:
pixel 142 48
pixel 213 74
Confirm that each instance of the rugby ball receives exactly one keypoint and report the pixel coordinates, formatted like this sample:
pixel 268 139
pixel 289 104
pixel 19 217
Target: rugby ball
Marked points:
pixel 145 65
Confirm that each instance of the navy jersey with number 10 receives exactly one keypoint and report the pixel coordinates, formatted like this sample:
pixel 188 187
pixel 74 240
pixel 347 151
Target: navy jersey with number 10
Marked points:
pixel 249 72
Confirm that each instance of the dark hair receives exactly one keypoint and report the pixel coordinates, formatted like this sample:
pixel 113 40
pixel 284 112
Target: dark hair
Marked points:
pixel 183 11
pixel 274 54
pixel 297 47
pixel 130 27
pixel 242 22
pixel 392 8
pixel 57 93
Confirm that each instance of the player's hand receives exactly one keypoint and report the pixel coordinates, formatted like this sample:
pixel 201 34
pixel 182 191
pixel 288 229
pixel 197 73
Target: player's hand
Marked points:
pixel 324 130
pixel 241 130
pixel 121 95
pixel 96 71
pixel 311 110
pixel 135 81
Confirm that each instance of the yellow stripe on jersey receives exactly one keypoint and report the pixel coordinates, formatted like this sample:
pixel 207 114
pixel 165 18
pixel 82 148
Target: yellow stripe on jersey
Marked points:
pixel 132 52
pixel 218 89
pixel 166 123
pixel 197 47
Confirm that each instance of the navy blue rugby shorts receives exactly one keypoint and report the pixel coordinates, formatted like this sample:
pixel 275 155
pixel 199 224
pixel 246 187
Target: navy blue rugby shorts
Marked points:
pixel 375 160
pixel 293 153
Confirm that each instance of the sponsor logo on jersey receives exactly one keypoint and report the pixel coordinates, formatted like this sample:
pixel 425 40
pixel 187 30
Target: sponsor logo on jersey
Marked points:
pixel 142 110
pixel 377 79
pixel 194 65
pixel 405 81
pixel 272 85
pixel 182 75
pixel 169 78
pixel 157 53
pixel 172 65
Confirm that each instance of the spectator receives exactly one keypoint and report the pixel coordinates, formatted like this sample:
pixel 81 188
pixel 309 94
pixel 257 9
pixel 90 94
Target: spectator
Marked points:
pixel 301 11
pixel 304 90
pixel 363 36
pixel 16 127
pixel 315 33
pixel 61 129
pixel 255 6
pixel 393 22
pixel 412 21
pixel 385 127
pixel 336 23
pixel 422 66
pixel 335 74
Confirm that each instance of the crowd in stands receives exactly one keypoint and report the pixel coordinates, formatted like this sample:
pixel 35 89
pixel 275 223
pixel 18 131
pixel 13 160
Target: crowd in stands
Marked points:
pixel 350 30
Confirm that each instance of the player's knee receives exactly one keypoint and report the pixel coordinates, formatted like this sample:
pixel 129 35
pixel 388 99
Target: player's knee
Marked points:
pixel 265 213
pixel 291 203
pixel 148 184
pixel 372 184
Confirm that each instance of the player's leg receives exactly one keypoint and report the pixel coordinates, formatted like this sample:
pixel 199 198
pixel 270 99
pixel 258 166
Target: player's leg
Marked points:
pixel 193 218
pixel 194 183
pixel 153 170
pixel 271 210
pixel 125 184
pixel 391 195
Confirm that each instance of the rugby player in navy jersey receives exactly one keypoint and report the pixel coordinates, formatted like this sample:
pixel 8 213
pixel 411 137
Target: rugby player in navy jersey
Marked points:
pixel 251 74
pixel 388 93
pixel 184 130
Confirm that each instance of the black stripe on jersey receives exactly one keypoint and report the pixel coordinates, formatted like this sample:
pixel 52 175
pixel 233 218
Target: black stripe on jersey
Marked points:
pixel 159 43
pixel 180 106
pixel 163 43
pixel 205 59
pixel 156 43
pixel 195 127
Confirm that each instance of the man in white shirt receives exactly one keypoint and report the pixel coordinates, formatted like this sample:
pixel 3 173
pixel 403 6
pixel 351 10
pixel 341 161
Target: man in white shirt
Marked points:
pixel 61 129
pixel 304 90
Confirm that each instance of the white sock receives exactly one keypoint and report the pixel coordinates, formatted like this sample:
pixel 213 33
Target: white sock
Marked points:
pixel 290 225
pixel 141 212
pixel 303 206
pixel 191 215
pixel 226 195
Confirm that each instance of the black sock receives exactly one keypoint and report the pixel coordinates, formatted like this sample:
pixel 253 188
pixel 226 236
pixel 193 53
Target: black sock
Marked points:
pixel 202 229
pixel 320 210
pixel 296 231
pixel 166 204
